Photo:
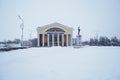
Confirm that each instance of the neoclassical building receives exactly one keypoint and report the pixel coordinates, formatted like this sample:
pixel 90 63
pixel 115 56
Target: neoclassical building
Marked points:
pixel 54 34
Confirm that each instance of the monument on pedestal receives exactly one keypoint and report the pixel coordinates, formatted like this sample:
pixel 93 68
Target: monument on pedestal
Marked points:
pixel 78 39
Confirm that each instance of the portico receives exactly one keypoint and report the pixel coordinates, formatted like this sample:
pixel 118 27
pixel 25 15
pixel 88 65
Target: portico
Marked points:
pixel 54 35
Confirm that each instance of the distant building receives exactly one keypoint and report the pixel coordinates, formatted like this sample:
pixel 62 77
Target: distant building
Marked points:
pixel 54 34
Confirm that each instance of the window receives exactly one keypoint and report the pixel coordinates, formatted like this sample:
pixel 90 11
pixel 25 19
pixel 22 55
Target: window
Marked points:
pixel 55 30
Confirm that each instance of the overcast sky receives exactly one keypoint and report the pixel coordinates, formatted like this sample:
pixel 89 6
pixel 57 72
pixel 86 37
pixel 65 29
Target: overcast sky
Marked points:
pixel 95 17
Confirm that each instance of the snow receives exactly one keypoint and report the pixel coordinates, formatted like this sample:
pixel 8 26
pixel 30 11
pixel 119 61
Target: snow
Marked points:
pixel 61 63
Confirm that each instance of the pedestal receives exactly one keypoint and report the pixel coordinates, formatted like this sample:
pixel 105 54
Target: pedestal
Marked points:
pixel 78 42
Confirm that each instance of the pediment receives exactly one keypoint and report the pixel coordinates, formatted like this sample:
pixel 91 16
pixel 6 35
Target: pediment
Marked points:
pixel 43 29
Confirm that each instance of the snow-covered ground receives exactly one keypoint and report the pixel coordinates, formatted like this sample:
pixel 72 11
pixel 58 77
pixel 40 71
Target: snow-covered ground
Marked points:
pixel 61 63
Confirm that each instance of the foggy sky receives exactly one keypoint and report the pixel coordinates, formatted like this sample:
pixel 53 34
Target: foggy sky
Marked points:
pixel 95 17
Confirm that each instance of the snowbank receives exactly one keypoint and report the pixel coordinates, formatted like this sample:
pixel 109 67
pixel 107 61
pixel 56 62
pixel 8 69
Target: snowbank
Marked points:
pixel 61 63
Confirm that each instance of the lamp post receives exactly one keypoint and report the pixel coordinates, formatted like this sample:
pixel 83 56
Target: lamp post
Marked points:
pixel 22 28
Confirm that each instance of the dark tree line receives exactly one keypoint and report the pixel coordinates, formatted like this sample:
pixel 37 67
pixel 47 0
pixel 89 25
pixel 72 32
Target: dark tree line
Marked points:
pixel 15 41
pixel 8 43
pixel 103 41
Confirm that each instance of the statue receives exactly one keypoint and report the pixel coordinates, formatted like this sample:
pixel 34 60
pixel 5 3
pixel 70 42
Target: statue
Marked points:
pixel 78 30
pixel 78 40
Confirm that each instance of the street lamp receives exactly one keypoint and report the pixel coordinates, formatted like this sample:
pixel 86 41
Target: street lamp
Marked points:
pixel 22 28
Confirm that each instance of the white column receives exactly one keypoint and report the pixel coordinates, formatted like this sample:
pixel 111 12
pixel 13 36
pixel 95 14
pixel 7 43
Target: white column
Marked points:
pixel 38 40
pixel 78 40
pixel 71 41
pixel 58 39
pixel 67 39
pixel 43 40
pixel 62 39
pixel 52 39
pixel 47 39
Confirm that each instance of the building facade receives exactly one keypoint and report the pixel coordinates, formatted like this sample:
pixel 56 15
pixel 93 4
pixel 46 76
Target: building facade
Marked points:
pixel 54 34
